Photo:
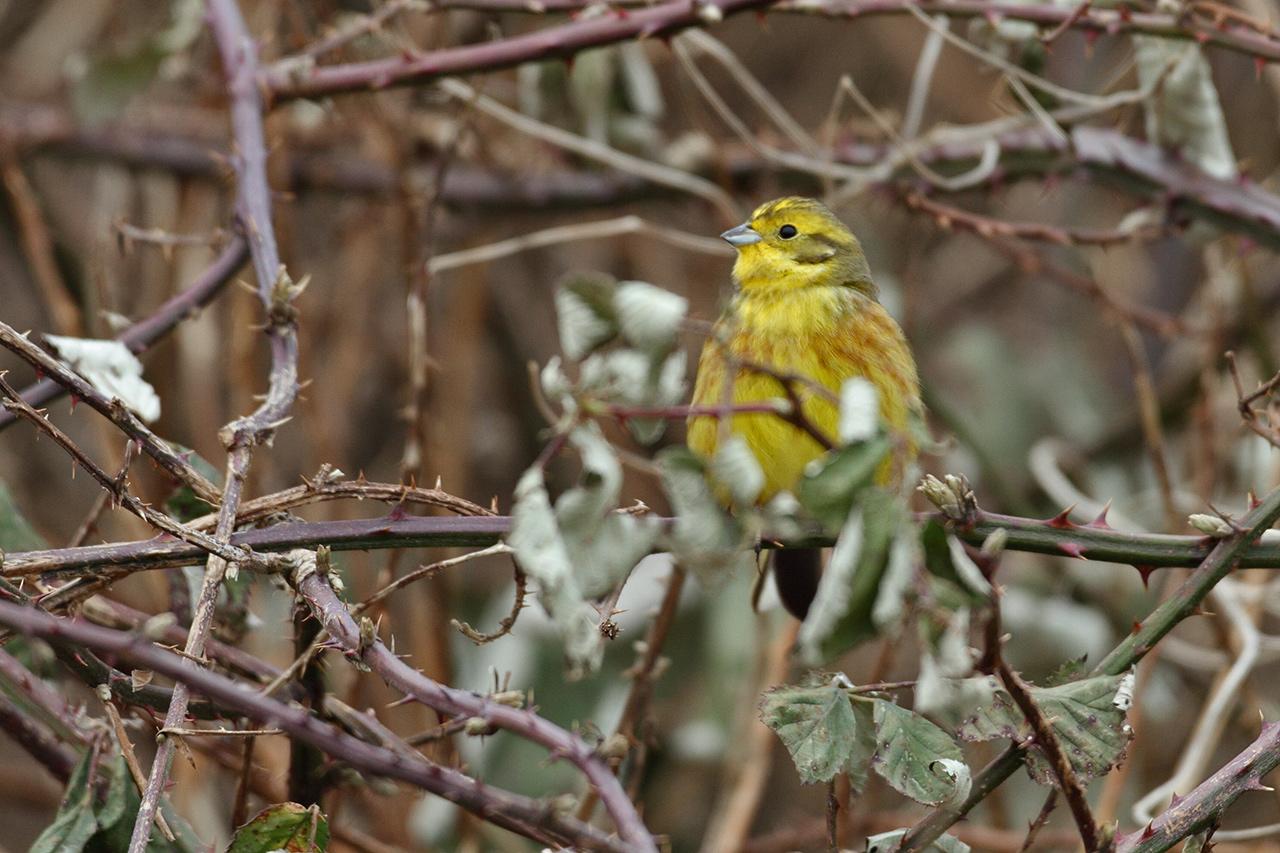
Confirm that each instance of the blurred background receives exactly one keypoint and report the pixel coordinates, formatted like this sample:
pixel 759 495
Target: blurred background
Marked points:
pixel 1039 359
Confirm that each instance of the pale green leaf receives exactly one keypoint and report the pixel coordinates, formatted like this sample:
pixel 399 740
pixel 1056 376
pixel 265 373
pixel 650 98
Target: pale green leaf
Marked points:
pixel 75 822
pixel 841 614
pixel 736 469
pixel 287 827
pixel 16 534
pixel 831 485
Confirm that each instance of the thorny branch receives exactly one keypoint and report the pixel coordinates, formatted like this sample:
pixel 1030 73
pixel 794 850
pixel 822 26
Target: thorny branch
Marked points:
pixel 277 292
pixel 515 812
pixel 1183 603
pixel 333 615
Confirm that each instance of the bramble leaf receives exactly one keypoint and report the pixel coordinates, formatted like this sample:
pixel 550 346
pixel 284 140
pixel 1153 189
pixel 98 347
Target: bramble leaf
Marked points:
pixel 822 731
pixel 289 827
pixel 918 759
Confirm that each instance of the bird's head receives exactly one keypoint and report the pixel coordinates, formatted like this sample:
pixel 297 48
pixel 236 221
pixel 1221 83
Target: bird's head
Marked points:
pixel 797 242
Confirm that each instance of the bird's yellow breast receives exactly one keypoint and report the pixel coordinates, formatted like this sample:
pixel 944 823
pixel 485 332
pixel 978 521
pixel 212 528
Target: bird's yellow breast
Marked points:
pixel 826 334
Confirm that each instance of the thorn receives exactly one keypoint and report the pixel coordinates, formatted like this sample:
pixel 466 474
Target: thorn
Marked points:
pixel 1201 610
pixel 1072 549
pixel 1090 39
pixel 397 513
pixel 1137 626
pixel 1253 500
pixel 1259 65
pixel 1145 572
pixel 1063 519
pixel 1149 831
pixel 75 400
pixel 1101 521
pixel 1174 799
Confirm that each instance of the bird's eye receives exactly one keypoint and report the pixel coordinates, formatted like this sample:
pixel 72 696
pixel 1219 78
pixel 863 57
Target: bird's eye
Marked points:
pixel 786 232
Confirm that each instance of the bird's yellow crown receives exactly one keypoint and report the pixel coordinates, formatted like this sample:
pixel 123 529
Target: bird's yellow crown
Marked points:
pixel 797 242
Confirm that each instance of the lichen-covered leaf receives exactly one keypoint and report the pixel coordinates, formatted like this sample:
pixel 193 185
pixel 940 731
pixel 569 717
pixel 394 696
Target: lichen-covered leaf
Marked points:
pixel 111 368
pixel 542 553
pixel 1087 716
pixel 820 729
pixel 918 759
pixel 704 538
pixel 289 827
pixel 649 316
pixel 859 411
pixel 735 468
pixel 585 313
pixel 1087 722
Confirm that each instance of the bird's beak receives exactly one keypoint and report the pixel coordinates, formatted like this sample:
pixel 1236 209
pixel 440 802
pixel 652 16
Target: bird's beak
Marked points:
pixel 743 235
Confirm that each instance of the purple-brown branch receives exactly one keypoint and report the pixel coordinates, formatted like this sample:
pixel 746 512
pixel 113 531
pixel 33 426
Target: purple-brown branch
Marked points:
pixel 304 80
pixel 1203 807
pixel 314 588
pixel 296 78
pixel 493 804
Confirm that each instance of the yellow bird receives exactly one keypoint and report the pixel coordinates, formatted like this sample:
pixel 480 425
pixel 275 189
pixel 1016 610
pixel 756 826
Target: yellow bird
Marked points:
pixel 805 305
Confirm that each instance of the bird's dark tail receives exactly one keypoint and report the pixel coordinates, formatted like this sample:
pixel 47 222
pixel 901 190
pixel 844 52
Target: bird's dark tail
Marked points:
pixel 796 572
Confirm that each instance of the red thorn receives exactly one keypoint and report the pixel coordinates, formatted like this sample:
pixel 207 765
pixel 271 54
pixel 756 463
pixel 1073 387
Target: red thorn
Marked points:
pixel 1063 519
pixel 1201 37
pixel 1253 500
pixel 1259 65
pixel 1149 831
pixel 993 18
pixel 1174 800
pixel 397 513
pixel 1072 549
pixel 1101 521
pixel 1145 572
pixel 621 13
pixel 568 63
pixel 1090 39
pixel 39 373
pixel 75 400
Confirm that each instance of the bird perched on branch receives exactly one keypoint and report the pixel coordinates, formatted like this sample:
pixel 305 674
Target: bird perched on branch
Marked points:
pixel 805 315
